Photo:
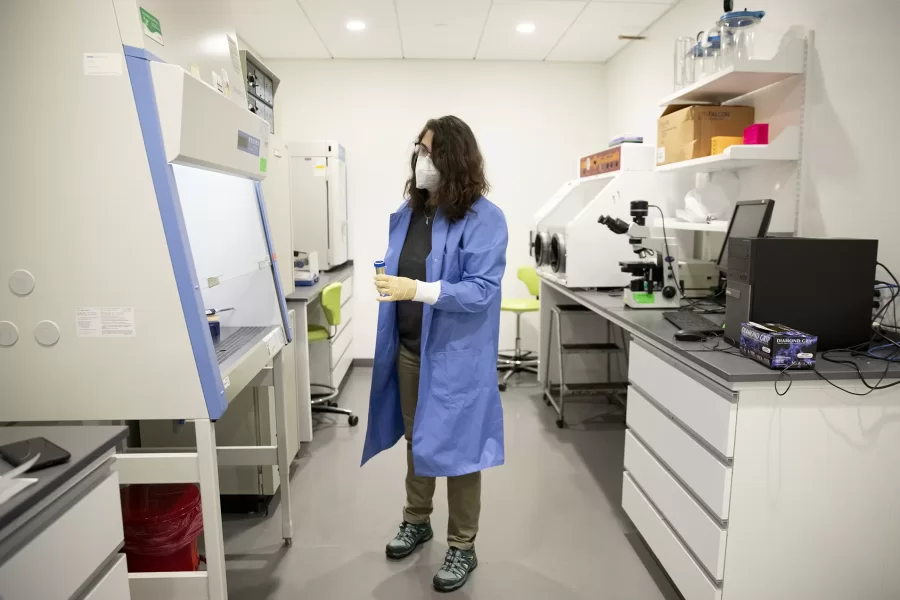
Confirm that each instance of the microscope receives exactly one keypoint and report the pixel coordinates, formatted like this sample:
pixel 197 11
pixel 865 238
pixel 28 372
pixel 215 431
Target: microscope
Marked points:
pixel 656 282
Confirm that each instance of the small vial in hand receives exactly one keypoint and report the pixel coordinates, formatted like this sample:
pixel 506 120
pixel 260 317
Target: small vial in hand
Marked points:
pixel 379 269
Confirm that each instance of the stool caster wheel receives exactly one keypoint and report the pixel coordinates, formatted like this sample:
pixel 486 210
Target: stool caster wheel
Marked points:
pixel 547 402
pixel 353 420
pixel 288 542
pixel 502 387
pixel 332 403
pixel 560 423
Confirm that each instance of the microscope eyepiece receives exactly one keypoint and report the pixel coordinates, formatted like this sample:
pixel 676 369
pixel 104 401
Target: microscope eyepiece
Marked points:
pixel 615 225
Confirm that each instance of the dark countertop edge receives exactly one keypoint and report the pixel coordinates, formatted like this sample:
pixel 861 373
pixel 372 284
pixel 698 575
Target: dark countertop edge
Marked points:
pixel 696 359
pixel 33 495
pixel 308 293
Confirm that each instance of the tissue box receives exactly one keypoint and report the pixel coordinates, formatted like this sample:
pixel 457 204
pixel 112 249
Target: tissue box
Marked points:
pixel 757 134
pixel 777 346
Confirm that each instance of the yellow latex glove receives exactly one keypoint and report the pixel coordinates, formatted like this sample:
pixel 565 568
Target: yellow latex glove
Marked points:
pixel 395 289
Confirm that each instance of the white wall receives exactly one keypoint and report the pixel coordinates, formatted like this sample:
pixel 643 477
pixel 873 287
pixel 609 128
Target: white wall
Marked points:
pixel 852 127
pixel 532 120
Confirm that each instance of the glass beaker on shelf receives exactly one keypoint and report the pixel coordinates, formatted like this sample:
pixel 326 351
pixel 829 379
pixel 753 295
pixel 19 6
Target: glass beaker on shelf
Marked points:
pixel 737 30
pixel 711 50
pixel 683 62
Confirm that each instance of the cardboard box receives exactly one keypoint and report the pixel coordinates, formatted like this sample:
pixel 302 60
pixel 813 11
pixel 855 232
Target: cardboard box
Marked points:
pixel 719 143
pixel 777 346
pixel 686 132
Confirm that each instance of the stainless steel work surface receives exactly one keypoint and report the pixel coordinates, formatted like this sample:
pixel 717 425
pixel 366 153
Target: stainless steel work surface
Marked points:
pixel 234 342
pixel 649 325
pixel 86 443
pixel 310 293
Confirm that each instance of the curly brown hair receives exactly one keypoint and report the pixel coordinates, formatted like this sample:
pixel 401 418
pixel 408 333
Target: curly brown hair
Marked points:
pixel 457 158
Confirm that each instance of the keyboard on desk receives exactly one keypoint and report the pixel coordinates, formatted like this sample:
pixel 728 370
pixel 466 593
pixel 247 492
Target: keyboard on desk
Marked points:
pixel 691 321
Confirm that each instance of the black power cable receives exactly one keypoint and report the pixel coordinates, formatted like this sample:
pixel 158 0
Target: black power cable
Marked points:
pixel 695 304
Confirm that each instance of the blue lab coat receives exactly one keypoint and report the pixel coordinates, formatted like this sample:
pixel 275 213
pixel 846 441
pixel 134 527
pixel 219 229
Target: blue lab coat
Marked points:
pixel 459 420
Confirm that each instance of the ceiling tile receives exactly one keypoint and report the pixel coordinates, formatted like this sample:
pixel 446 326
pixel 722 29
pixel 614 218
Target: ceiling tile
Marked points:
pixel 277 29
pixel 441 29
pixel 594 36
pixel 551 18
pixel 380 39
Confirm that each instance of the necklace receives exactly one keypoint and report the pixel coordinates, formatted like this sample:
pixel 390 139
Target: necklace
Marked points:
pixel 428 217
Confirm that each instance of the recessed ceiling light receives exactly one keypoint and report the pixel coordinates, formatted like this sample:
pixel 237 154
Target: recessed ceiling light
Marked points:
pixel 355 25
pixel 525 28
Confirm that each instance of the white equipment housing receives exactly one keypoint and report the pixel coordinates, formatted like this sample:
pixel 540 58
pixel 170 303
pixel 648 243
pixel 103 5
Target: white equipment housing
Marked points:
pixel 147 211
pixel 319 200
pixel 571 248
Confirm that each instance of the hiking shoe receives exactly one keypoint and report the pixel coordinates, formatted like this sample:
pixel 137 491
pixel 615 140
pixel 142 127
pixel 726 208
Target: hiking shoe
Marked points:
pixel 408 539
pixel 455 572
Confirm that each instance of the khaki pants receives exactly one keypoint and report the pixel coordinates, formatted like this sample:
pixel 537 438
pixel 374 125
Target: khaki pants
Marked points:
pixel 463 492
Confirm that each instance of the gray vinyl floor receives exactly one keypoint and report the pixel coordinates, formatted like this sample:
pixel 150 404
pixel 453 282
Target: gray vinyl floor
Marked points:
pixel 551 525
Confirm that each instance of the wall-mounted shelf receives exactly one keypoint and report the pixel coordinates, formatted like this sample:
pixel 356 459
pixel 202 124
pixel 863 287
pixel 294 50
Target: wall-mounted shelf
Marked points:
pixel 599 177
pixel 673 224
pixel 744 77
pixel 784 148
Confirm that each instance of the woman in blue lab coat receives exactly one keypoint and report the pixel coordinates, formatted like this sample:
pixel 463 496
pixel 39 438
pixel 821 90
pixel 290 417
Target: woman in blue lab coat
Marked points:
pixel 435 375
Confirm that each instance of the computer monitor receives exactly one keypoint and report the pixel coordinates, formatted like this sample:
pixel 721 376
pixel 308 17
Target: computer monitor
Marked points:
pixel 750 219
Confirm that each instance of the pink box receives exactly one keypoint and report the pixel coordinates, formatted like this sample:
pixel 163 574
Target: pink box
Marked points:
pixel 757 134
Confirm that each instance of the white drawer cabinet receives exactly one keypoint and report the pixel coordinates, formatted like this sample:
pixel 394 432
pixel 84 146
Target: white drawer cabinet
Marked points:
pixel 708 478
pixel 705 537
pixel 329 361
pixel 113 584
pixel 80 539
pixel 347 290
pixel 710 414
pixel 690 578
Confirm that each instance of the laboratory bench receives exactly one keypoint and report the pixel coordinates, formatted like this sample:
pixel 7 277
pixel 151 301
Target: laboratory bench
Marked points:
pixel 326 363
pixel 742 487
pixel 69 521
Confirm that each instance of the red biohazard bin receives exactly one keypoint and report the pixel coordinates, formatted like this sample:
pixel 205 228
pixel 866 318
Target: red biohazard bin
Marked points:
pixel 162 524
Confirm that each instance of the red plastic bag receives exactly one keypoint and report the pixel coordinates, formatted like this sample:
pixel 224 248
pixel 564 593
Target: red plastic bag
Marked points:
pixel 160 519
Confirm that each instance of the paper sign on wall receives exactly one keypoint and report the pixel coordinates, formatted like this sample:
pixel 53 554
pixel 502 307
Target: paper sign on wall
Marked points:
pixel 226 84
pixel 105 322
pixel 102 63
pixel 235 54
pixel 152 27
pixel 218 83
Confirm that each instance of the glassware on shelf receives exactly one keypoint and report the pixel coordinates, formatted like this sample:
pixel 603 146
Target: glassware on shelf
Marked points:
pixel 738 30
pixel 683 48
pixel 711 52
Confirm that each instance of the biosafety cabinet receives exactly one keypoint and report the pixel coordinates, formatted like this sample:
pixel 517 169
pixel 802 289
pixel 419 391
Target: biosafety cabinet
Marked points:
pixel 319 201
pixel 117 247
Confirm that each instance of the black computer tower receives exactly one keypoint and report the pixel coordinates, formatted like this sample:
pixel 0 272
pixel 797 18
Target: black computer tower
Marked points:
pixel 823 287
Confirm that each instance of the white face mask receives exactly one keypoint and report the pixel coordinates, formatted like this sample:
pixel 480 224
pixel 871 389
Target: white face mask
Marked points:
pixel 427 176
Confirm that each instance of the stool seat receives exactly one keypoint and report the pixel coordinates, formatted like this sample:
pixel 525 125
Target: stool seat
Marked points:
pixel 317 333
pixel 520 305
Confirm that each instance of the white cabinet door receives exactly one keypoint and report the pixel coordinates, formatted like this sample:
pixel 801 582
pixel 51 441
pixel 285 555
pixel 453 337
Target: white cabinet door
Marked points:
pixel 338 233
pixel 309 205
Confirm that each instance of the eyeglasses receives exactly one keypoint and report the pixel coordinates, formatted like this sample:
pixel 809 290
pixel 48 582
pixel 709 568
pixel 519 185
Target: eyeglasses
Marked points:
pixel 422 150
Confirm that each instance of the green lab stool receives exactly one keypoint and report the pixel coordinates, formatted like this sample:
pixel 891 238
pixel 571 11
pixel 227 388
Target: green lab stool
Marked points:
pixel 323 402
pixel 519 361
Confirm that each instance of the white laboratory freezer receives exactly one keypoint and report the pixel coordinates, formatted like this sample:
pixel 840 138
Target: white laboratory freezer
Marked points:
pixel 319 200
